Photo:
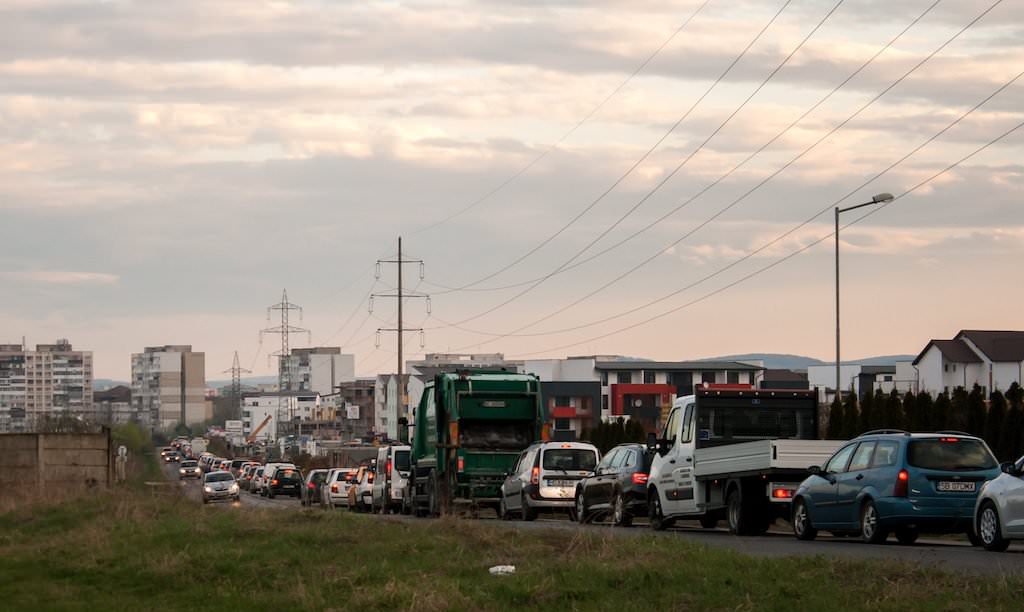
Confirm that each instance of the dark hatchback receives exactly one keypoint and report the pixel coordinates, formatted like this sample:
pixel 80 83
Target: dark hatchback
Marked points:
pixel 285 481
pixel 618 487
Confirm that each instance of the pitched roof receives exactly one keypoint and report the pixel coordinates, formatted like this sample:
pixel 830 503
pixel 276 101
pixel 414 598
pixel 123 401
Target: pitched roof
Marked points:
pixel 953 350
pixel 1000 346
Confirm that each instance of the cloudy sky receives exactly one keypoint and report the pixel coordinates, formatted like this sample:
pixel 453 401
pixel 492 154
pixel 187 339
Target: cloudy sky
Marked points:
pixel 168 168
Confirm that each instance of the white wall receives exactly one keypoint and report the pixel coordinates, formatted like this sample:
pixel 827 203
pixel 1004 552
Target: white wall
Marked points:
pixel 1005 374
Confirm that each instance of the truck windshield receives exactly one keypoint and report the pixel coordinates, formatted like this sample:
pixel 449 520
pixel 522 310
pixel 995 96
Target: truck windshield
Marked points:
pixel 954 454
pixel 402 460
pixel 496 435
pixel 576 459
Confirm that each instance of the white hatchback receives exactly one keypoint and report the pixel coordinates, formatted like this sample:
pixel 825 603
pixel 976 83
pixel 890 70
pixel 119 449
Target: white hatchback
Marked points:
pixel 999 513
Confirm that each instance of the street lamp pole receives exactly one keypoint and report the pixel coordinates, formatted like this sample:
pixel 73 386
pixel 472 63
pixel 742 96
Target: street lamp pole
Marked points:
pixel 878 199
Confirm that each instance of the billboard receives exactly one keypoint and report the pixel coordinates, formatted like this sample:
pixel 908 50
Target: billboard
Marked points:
pixel 352 412
pixel 233 427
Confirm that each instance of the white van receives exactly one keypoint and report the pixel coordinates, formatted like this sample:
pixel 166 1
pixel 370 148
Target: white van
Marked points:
pixel 268 473
pixel 392 475
pixel 544 479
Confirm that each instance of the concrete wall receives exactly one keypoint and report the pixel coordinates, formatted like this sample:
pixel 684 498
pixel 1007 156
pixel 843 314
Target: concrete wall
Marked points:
pixel 55 460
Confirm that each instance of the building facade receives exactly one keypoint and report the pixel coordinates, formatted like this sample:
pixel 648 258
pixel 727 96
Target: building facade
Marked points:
pixel 114 406
pixel 275 415
pixel 319 369
pixel 169 385
pixel 355 409
pixel 993 360
pixel 53 380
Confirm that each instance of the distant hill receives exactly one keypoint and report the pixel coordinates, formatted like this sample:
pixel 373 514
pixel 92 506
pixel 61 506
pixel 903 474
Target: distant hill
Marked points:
pixel 251 381
pixel 777 361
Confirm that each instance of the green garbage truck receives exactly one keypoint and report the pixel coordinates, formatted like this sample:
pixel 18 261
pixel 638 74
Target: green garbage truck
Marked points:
pixel 469 429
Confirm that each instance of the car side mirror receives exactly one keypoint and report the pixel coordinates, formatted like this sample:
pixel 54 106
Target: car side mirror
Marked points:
pixel 815 470
pixel 652 441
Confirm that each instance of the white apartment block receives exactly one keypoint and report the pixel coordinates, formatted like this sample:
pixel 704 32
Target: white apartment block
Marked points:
pixel 320 369
pixel 278 409
pixel 52 380
pixel 169 385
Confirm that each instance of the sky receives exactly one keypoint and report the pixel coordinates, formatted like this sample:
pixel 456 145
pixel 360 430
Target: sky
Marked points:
pixel 603 177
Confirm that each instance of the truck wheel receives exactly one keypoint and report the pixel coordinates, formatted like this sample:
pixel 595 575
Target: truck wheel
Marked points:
pixel 802 527
pixel 655 517
pixel 709 521
pixel 907 535
pixel 433 505
pixel 745 514
pixel 529 514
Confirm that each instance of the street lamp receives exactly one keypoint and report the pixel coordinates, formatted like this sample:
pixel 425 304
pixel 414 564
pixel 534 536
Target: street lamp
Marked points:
pixel 878 199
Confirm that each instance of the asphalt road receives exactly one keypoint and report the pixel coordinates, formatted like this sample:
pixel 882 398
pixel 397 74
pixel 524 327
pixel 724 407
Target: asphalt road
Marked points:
pixel 953 554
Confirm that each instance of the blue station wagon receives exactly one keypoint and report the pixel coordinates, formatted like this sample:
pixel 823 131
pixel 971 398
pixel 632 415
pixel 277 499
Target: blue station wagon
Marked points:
pixel 895 482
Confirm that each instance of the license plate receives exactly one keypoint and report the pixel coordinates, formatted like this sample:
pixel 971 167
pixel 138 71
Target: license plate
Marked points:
pixel 956 487
pixel 561 483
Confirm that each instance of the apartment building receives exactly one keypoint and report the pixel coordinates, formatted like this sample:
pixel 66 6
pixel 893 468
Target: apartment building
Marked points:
pixel 52 380
pixel 355 408
pixel 319 369
pixel 169 385
pixel 114 406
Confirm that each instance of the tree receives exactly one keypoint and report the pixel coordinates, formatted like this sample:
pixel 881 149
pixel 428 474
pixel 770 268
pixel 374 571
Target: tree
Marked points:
pixel 976 413
pixel 851 420
pixel 867 413
pixel 923 412
pixel 995 422
pixel 1010 436
pixel 940 412
pixel 892 416
pixel 909 410
pixel 958 408
pixel 835 420
pixel 878 411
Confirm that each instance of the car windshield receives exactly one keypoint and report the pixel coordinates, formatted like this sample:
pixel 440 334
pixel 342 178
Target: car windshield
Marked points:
pixel 402 460
pixel 186 464
pixel 570 459
pixel 215 477
pixel 953 454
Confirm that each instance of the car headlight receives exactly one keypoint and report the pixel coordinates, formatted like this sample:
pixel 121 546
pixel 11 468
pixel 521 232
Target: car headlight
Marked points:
pixel 181 470
pixel 234 488
pixel 208 489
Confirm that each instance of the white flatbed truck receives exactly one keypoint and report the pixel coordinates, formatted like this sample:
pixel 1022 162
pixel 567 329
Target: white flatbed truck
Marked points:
pixel 733 453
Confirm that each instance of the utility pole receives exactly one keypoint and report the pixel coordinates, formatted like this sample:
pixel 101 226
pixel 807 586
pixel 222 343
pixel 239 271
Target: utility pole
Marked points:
pixel 401 295
pixel 236 372
pixel 285 329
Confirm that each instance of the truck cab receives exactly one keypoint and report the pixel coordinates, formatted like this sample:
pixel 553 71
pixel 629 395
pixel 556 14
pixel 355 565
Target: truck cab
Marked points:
pixel 737 454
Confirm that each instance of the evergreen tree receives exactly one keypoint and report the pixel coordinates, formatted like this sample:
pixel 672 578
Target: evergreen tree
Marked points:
pixel 851 420
pixel 940 413
pixel 976 412
pixel 923 413
pixel 835 420
pixel 909 410
pixel 995 423
pixel 957 418
pixel 867 413
pixel 878 412
pixel 1011 434
pixel 893 414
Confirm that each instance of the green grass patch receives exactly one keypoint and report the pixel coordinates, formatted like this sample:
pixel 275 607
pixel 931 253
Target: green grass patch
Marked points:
pixel 134 550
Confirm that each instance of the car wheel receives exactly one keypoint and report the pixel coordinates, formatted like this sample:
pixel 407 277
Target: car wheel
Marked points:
pixel 802 527
pixel 620 517
pixel 503 513
pixel 529 514
pixel 907 535
pixel 871 530
pixel 655 517
pixel 270 494
pixel 206 501
pixel 581 509
pixel 988 529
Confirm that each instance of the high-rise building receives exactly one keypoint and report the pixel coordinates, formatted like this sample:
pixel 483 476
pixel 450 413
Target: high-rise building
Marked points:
pixel 320 369
pixel 53 380
pixel 169 385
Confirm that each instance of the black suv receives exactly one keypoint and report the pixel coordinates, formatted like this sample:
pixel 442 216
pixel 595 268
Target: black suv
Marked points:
pixel 618 486
pixel 285 481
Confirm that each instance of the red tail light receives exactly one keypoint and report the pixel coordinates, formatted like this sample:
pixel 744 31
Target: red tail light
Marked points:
pixel 639 478
pixel 312 486
pixel 334 488
pixel 273 482
pixel 369 477
pixel 949 439
pixel 462 464
pixel 535 475
pixel 388 470
pixel 902 482
pixel 782 493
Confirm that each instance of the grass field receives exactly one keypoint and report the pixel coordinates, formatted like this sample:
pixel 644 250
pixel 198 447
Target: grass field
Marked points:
pixel 140 550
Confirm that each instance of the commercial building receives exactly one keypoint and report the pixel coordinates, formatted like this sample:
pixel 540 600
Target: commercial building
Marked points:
pixel 169 385
pixel 993 360
pixel 114 406
pixel 274 415
pixel 355 408
pixel 318 369
pixel 53 380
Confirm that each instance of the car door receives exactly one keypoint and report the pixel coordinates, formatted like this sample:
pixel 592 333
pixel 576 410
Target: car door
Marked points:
pixel 851 482
pixel 684 493
pixel 1013 490
pixel 514 484
pixel 821 490
pixel 593 492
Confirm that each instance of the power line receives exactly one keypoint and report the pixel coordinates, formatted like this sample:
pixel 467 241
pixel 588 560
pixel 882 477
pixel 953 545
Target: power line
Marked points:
pixel 764 181
pixel 786 257
pixel 630 170
pixel 571 131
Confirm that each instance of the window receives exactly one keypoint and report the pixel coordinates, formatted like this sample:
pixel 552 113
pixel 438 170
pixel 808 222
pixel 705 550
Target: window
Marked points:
pixel 604 403
pixel 838 461
pixel 562 425
pixel 945 367
pixel 620 459
pixel 624 378
pixel 688 424
pixel 648 378
pixel 670 426
pixel 889 378
pixel 610 458
pixel 707 377
pixel 733 378
pixel 862 458
pixel 950 454
pixel 563 401
pixel 683 382
pixel 630 459
pixel 885 454
pixel 604 379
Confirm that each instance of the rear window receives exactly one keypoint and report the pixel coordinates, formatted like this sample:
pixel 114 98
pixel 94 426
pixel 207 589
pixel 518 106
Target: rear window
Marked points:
pixel 951 454
pixel 223 477
pixel 569 459
pixel 287 474
pixel 402 461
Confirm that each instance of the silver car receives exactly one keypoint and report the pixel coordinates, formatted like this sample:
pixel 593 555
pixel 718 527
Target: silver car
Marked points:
pixel 219 486
pixel 999 514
